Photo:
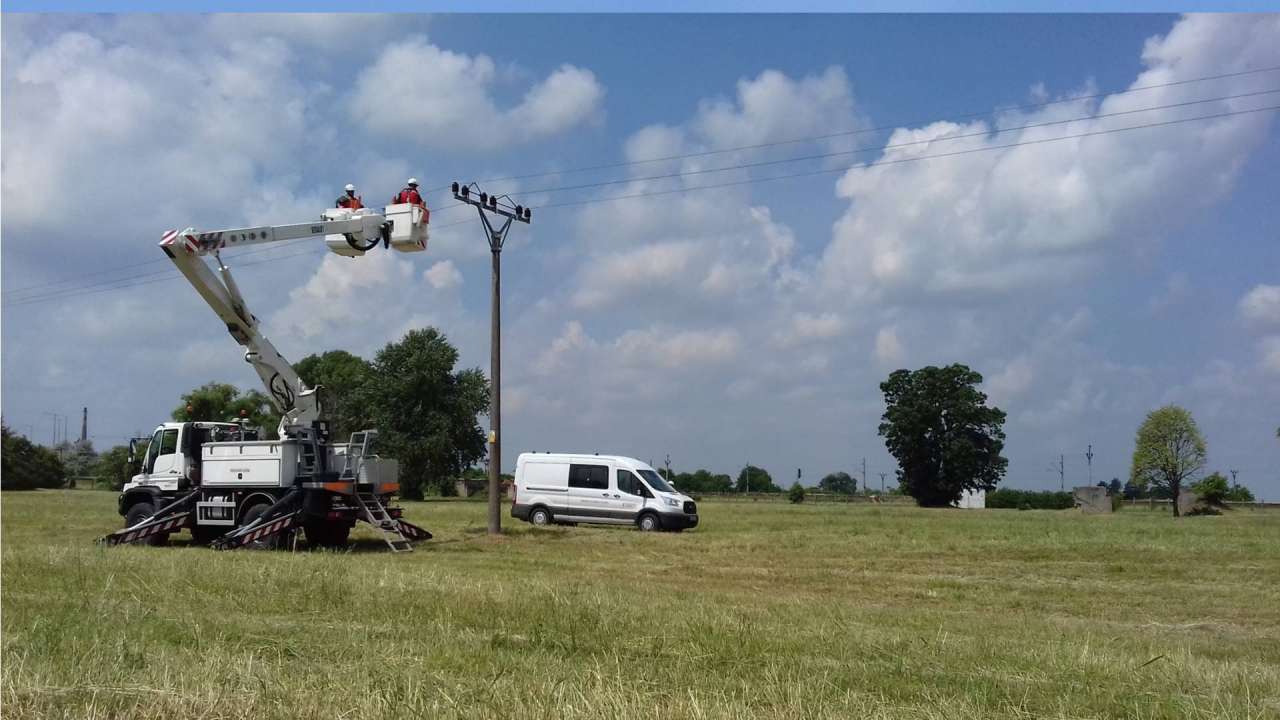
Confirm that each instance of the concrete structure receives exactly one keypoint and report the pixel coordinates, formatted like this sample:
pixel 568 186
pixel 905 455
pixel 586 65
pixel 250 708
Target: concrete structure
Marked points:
pixel 1187 501
pixel 972 500
pixel 1092 499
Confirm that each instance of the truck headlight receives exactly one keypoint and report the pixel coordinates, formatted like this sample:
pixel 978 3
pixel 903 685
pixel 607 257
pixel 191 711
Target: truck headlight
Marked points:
pixel 671 502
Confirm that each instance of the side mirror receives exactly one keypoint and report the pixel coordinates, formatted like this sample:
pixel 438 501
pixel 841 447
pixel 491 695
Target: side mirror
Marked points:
pixel 133 450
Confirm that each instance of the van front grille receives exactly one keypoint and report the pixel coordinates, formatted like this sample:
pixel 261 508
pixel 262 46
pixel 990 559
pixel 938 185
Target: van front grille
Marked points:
pixel 690 508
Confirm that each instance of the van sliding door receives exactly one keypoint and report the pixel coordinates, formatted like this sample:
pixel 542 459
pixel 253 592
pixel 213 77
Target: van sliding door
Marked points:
pixel 589 492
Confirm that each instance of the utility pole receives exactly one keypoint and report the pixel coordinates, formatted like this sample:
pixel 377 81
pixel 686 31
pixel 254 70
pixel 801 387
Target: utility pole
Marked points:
pixel 668 464
pixel 746 485
pixel 882 482
pixel 864 476
pixel 486 204
pixel 84 427
pixel 1062 478
pixel 1233 476
pixel 1089 456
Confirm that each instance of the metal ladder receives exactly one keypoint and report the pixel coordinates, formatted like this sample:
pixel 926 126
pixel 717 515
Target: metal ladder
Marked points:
pixel 375 513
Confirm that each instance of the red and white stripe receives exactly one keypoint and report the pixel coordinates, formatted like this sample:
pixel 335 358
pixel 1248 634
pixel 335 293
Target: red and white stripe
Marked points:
pixel 167 238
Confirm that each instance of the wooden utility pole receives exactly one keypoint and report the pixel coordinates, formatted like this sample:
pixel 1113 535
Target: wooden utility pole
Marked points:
pixel 486 204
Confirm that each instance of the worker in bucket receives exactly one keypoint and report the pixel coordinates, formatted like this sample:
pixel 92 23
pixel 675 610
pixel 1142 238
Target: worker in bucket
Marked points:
pixel 350 200
pixel 409 194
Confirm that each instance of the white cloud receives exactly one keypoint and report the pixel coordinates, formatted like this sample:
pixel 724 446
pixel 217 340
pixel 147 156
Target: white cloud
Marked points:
pixel 341 294
pixel 1025 217
pixel 678 349
pixel 806 327
pixel 773 107
pixel 1270 349
pixel 443 275
pixel 888 347
pixel 1261 306
pixel 434 97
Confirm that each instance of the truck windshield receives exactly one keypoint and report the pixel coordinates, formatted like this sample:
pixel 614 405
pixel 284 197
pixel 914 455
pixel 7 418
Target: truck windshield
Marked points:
pixel 656 482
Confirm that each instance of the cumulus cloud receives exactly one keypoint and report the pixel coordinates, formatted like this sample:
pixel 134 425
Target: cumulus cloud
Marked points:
pixel 443 275
pixel 888 348
pixel 1260 307
pixel 420 92
pixel 1020 217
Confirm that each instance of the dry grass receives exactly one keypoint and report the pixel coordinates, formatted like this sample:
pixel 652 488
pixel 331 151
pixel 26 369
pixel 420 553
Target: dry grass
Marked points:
pixel 769 610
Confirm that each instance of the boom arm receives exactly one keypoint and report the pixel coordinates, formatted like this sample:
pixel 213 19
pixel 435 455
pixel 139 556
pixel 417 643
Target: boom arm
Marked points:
pixel 187 250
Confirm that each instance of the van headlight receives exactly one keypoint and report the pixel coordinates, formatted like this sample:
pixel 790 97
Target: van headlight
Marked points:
pixel 671 502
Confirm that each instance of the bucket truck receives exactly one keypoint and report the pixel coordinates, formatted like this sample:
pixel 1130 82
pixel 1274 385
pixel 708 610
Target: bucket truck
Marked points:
pixel 218 479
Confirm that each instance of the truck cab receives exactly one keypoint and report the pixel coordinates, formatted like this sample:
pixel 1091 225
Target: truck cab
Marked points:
pixel 171 462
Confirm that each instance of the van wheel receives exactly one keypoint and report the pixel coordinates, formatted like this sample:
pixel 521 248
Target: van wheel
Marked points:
pixel 139 512
pixel 649 523
pixel 540 517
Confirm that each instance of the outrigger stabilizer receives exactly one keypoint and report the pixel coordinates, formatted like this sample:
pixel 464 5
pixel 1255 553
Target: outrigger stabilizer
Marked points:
pixel 284 517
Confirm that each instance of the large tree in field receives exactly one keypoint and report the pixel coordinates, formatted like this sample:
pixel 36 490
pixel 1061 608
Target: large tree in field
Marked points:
pixel 754 479
pixel 425 411
pixel 1168 451
pixel 341 377
pixel 220 402
pixel 946 440
pixel 838 482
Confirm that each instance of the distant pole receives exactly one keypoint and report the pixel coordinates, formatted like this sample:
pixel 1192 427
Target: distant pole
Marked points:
pixel 485 204
pixel 864 476
pixel 84 426
pixel 1062 477
pixel 668 467
pixel 882 482
pixel 1233 476
pixel 746 484
pixel 1089 456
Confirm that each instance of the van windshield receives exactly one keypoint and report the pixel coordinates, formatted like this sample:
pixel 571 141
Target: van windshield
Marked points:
pixel 656 482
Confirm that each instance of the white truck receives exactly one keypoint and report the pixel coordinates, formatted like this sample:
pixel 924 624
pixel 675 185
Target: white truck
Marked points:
pixel 218 479
pixel 605 489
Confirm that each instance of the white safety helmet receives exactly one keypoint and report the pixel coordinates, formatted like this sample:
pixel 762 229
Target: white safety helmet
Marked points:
pixel 413 182
pixel 350 187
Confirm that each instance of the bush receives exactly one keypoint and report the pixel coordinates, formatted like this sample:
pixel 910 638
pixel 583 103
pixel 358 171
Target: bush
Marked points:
pixel 796 494
pixel 1030 499
pixel 28 466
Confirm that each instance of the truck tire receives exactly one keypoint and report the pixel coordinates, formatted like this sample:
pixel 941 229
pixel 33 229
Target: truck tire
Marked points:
pixel 327 534
pixel 649 522
pixel 275 542
pixel 139 512
pixel 540 517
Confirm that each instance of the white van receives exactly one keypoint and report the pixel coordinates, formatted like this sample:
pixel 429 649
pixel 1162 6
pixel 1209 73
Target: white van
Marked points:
pixel 610 489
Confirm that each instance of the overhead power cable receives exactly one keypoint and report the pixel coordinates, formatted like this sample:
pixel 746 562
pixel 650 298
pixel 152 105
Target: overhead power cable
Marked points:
pixel 880 128
pixel 897 161
pixel 89 289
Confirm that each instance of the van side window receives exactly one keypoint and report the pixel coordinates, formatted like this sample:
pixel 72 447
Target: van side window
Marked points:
pixel 628 483
pixel 591 477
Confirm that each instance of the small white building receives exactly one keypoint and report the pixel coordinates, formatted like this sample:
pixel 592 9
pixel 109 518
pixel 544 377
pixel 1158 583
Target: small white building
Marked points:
pixel 972 499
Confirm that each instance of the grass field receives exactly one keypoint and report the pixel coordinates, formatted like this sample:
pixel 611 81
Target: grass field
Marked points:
pixel 768 610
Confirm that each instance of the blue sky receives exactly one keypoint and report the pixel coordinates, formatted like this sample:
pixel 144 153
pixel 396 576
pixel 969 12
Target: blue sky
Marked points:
pixel 1090 280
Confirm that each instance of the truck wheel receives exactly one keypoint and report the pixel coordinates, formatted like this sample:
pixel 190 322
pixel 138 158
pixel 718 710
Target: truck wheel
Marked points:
pixel 327 534
pixel 275 542
pixel 649 522
pixel 139 512
pixel 540 517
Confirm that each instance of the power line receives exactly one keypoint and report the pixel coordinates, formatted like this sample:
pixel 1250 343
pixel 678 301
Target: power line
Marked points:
pixel 881 128
pixel 896 161
pixel 893 146
pixel 757 146
pixel 750 181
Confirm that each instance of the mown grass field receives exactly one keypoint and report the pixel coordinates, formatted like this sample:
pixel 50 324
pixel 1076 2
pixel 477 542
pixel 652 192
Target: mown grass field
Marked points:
pixel 768 610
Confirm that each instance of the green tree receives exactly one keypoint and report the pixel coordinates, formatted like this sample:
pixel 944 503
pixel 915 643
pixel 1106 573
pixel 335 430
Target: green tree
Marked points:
pixel 341 377
pixel 426 411
pixel 796 493
pixel 27 466
pixel 754 479
pixel 1212 488
pixel 838 482
pixel 946 440
pixel 702 481
pixel 1114 487
pixel 78 459
pixel 220 402
pixel 1168 452
pixel 114 468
